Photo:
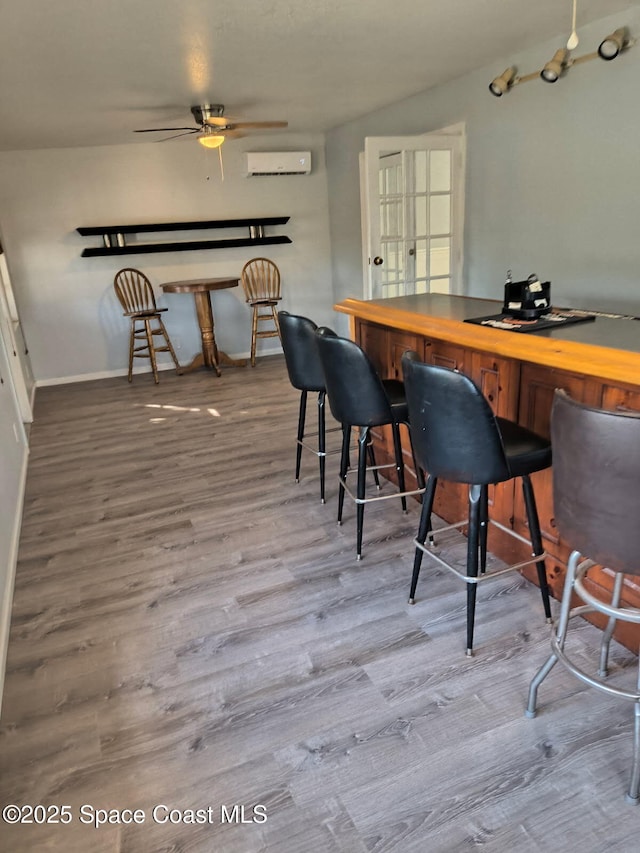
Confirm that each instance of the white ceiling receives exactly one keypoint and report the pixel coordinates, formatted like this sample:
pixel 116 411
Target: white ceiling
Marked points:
pixel 88 72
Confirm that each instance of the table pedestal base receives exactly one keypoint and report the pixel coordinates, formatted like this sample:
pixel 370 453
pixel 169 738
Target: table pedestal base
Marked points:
pixel 221 358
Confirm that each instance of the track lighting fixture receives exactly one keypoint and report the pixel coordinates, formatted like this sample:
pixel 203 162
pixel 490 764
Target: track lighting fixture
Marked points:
pixel 562 60
pixel 554 68
pixel 613 44
pixel 503 83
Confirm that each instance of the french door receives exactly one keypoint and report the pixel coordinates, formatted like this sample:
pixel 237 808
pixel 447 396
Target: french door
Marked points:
pixel 413 214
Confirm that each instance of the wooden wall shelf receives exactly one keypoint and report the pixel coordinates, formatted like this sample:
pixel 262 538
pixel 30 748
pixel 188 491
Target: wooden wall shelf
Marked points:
pixel 114 239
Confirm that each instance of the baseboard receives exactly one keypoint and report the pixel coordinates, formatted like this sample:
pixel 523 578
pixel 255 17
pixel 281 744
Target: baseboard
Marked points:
pixel 109 374
pixel 12 562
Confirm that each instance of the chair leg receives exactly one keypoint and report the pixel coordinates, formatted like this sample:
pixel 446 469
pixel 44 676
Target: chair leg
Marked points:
pixel 152 350
pixel 132 339
pixel 254 334
pixel 536 543
pixel 563 624
pixel 424 529
pixel 373 463
pixel 473 534
pixel 484 527
pixel 607 634
pixel 276 321
pixel 633 795
pixel 169 345
pixel 344 467
pixel 301 419
pixel 397 447
pixel 361 487
pixel 322 452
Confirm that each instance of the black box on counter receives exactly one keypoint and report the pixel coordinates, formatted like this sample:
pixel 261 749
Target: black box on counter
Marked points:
pixel 527 300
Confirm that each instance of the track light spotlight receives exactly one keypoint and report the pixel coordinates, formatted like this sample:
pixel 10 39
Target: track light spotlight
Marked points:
pixel 503 83
pixel 613 44
pixel 554 68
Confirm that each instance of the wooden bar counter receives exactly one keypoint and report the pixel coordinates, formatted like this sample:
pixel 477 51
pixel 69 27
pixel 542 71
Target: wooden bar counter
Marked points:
pixel 596 362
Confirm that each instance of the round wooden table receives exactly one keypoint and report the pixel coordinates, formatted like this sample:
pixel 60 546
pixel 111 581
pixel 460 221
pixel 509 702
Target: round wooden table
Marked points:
pixel 210 357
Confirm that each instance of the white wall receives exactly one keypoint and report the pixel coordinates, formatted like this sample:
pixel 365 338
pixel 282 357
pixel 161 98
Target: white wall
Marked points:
pixel 552 175
pixel 71 318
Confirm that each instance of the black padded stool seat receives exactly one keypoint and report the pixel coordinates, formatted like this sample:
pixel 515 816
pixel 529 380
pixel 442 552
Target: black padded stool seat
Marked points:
pixel 359 398
pixel 596 497
pixel 298 336
pixel 457 437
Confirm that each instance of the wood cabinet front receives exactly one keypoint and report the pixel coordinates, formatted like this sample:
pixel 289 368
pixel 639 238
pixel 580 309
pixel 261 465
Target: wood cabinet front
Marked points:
pixel 521 391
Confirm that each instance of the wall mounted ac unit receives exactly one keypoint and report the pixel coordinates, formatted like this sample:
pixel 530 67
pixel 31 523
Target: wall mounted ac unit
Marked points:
pixel 278 163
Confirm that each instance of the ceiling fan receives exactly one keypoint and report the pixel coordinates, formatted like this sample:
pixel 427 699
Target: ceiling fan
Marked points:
pixel 213 127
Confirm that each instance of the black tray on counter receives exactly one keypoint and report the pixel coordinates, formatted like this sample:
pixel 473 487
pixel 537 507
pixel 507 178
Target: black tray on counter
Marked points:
pixel 553 320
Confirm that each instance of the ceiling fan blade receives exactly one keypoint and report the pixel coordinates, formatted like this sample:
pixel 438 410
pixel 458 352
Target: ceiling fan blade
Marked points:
pixel 232 134
pixel 218 121
pixel 165 129
pixel 259 124
pixel 177 135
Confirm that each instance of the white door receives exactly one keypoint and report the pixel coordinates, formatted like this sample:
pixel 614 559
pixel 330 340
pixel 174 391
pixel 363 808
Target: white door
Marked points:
pixel 11 333
pixel 413 214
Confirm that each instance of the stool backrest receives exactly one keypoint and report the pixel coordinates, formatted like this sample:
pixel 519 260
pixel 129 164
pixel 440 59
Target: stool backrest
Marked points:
pixel 260 280
pixel 454 432
pixel 596 482
pixel 298 336
pixel 356 393
pixel 134 291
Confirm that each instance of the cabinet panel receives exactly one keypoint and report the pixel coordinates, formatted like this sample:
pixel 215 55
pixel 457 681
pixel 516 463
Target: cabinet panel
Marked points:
pixel 399 343
pixel 620 399
pixel 374 340
pixel 538 385
pixel 448 355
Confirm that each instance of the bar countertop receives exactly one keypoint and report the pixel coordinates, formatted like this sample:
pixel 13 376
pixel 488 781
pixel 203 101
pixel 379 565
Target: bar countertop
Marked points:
pixel 606 348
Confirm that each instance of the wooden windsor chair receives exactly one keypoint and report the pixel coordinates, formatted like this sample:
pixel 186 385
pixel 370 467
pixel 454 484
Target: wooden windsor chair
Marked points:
pixel 135 294
pixel 261 284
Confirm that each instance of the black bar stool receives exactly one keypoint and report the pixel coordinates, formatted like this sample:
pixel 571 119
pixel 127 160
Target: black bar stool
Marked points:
pixel 457 437
pixel 359 398
pixel 596 496
pixel 298 336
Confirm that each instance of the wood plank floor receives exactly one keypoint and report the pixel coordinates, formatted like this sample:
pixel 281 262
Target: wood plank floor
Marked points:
pixel 191 629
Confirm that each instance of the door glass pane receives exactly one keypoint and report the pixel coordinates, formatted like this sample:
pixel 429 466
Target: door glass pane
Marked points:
pixel 440 214
pixel 420 169
pixel 420 214
pixel 440 257
pixel 440 285
pixel 421 258
pixel 440 171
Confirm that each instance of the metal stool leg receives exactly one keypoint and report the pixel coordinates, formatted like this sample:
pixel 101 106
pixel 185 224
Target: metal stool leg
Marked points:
pixel 397 447
pixel 373 463
pixel 611 624
pixel 563 624
pixel 423 531
pixel 633 795
pixel 322 453
pixel 536 542
pixel 472 560
pixel 484 527
pixel 301 419
pixel 344 467
pixel 361 487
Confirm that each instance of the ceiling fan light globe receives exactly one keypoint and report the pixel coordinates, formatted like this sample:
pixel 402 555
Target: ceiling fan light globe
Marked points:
pixel 211 140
